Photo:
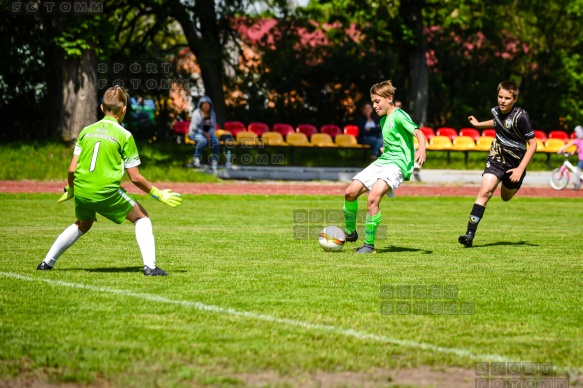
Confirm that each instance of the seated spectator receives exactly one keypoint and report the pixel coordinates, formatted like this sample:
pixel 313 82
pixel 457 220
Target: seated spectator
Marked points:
pixel 370 129
pixel 202 131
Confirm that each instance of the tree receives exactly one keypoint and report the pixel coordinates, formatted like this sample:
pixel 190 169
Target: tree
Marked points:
pixel 316 64
pixel 551 62
pixel 145 43
pixel 536 44
pixel 393 44
pixel 74 41
pixel 415 49
pixel 202 30
pixel 22 78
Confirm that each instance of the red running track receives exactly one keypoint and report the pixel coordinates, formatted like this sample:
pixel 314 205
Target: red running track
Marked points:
pixel 288 188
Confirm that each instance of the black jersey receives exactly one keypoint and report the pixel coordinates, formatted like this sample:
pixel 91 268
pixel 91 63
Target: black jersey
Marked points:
pixel 513 129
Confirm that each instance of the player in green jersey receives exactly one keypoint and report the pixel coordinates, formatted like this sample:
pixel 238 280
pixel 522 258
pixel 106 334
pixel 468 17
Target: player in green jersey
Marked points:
pixel 386 173
pixel 103 151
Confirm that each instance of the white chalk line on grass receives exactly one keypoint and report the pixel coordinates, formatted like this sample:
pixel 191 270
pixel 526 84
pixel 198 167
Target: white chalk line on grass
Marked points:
pixel 361 335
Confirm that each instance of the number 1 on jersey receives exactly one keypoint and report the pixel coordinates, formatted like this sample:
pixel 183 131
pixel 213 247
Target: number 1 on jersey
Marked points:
pixel 94 157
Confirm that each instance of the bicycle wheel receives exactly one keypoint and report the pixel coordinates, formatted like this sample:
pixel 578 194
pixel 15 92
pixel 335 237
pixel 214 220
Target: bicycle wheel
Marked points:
pixel 559 179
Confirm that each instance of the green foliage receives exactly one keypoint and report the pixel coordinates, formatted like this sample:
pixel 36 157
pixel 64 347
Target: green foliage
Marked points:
pixel 318 65
pixel 471 46
pixel 144 33
pixel 93 31
pixel 48 161
pixel 23 95
pixel 531 43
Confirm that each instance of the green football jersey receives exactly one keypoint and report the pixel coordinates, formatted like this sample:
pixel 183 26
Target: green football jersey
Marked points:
pixel 104 148
pixel 398 141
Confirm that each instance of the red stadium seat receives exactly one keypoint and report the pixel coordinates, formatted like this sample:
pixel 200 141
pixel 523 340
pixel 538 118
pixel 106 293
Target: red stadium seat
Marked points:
pixel 331 130
pixel 307 129
pixel 447 131
pixel 540 135
pixel 573 135
pixel 283 129
pixel 234 127
pixel 428 132
pixel 470 132
pixel 489 132
pixel 181 127
pixel 258 128
pixel 351 129
pixel 559 135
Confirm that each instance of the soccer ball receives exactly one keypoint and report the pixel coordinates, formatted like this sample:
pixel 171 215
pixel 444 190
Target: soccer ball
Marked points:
pixel 332 238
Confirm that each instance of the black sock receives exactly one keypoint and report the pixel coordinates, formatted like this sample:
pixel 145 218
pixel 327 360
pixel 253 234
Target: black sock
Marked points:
pixel 475 217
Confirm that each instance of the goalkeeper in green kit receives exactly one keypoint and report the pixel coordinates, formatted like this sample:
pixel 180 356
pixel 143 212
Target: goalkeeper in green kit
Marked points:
pixel 103 150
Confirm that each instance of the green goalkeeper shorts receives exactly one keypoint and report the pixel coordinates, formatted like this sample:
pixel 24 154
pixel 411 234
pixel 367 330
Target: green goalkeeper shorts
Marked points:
pixel 116 207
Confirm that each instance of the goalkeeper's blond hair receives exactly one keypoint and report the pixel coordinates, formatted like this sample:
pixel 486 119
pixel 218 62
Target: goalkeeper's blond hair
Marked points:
pixel 114 99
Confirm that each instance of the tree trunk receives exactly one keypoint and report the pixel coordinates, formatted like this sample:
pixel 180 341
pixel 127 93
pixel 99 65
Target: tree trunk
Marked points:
pixel 54 89
pixel 54 59
pixel 203 36
pixel 418 73
pixel 419 86
pixel 79 96
pixel 213 86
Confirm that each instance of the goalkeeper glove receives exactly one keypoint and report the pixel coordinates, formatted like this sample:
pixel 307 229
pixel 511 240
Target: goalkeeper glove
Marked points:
pixel 166 196
pixel 68 194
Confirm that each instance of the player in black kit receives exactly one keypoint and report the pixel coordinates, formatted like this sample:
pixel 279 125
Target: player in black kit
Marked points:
pixel 508 157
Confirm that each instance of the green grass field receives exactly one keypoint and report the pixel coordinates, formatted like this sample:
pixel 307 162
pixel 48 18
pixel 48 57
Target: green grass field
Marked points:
pixel 166 161
pixel 248 303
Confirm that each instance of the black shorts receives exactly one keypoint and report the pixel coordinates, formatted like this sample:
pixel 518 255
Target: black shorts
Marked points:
pixel 500 170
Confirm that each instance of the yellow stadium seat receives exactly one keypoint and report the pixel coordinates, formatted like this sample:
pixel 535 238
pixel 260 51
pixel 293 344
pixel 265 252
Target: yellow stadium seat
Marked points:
pixel 348 141
pixel 415 142
pixel 246 139
pixel 553 145
pixel 484 143
pixel 187 139
pixel 463 143
pixel 221 132
pixel 297 139
pixel 440 143
pixel 273 139
pixel 322 140
pixel 218 134
pixel 223 135
pixel 540 146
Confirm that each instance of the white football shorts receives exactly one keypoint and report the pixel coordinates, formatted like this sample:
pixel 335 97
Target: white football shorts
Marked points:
pixel 391 174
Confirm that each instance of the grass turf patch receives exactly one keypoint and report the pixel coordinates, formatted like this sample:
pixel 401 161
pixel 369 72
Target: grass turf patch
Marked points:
pixel 166 162
pixel 48 161
pixel 244 255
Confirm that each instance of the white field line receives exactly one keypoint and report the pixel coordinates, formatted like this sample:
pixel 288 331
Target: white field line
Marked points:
pixel 360 335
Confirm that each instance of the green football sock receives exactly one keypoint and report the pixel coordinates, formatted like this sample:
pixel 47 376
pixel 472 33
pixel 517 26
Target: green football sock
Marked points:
pixel 350 212
pixel 370 227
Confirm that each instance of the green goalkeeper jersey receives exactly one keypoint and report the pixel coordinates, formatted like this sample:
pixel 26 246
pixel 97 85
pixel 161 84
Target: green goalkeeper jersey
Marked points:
pixel 104 148
pixel 398 141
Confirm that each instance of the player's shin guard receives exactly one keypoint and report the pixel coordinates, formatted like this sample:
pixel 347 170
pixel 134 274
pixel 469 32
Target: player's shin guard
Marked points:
pixel 475 217
pixel 145 239
pixel 62 243
pixel 350 213
pixel 370 228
